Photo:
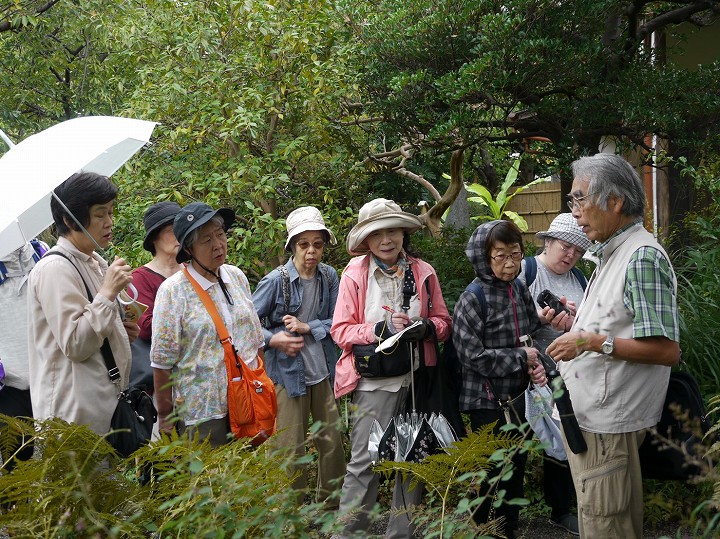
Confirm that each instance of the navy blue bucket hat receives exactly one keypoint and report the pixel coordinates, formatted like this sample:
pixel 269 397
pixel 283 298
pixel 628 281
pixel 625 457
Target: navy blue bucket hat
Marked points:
pixel 192 217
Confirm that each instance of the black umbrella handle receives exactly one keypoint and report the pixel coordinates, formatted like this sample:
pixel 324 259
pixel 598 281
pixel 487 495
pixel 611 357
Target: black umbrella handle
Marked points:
pixel 571 428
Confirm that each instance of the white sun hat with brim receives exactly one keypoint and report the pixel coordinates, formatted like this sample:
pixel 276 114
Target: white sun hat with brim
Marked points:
pixel 305 219
pixel 376 215
pixel 564 227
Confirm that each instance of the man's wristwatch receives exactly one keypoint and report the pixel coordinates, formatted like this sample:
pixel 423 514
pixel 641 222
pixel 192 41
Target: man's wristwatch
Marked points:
pixel 608 347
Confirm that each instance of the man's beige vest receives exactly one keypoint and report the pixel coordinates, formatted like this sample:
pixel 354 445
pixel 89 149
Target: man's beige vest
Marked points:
pixel 611 395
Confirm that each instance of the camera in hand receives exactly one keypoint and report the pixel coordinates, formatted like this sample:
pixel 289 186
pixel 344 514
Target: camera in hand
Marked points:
pixel 548 299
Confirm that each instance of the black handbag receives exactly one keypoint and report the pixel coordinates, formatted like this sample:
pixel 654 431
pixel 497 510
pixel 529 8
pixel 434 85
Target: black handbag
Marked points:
pixel 132 423
pixel 372 364
pixel 135 414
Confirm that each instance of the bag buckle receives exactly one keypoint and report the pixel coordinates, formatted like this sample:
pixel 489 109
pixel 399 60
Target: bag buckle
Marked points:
pixel 114 374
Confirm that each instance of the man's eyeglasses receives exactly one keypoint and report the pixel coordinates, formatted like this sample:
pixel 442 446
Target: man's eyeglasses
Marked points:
pixel 576 202
pixel 305 245
pixel 516 256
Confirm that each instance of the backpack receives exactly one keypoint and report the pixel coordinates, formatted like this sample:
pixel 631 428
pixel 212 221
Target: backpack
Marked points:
pixel 450 355
pixel 40 249
pixel 531 273
pixel 285 275
pixel 683 421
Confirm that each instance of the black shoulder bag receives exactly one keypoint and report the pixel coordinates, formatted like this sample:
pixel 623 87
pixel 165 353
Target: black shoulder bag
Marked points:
pixel 685 424
pixel 393 362
pixel 132 422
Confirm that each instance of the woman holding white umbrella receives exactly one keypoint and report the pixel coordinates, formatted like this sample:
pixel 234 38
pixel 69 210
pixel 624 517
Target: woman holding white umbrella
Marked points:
pixel 68 377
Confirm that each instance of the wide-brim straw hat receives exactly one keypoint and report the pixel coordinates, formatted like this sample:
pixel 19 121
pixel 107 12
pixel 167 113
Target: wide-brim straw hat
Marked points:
pixel 192 217
pixel 376 215
pixel 305 219
pixel 564 227
pixel 157 216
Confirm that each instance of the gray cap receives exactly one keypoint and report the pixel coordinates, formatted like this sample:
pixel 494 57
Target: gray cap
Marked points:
pixel 564 227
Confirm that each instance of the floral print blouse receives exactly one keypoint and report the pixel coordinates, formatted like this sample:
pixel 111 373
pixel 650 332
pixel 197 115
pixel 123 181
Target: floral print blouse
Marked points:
pixel 186 341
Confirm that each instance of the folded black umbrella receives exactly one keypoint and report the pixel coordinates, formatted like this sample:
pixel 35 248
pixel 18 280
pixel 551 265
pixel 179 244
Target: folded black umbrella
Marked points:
pixel 571 428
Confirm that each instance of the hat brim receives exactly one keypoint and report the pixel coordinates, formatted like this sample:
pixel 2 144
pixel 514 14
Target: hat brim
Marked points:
pixel 228 217
pixel 307 227
pixel 355 242
pixel 575 239
pixel 149 235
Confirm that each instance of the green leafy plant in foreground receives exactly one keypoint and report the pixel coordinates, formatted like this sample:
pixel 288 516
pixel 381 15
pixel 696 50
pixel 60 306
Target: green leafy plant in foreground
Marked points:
pixel 76 486
pixel 449 477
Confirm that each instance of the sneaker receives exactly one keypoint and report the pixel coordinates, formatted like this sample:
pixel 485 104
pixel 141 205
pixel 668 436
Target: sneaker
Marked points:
pixel 568 522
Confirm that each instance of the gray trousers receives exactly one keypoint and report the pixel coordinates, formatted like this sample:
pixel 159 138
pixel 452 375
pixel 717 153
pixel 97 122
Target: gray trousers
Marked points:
pixel 360 487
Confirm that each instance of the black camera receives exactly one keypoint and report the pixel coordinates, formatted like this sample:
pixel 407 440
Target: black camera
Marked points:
pixel 548 299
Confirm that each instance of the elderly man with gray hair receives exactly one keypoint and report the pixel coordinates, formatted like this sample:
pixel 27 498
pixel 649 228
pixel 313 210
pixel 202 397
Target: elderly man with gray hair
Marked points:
pixel 624 338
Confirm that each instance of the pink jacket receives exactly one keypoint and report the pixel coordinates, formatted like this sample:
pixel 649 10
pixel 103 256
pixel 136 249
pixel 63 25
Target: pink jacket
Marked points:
pixel 349 326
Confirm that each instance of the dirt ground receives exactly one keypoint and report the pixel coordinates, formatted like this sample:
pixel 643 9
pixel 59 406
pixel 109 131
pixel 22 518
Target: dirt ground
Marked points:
pixel 540 528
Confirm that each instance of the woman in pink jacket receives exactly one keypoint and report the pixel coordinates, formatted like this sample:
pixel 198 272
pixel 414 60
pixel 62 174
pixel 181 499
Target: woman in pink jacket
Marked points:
pixel 383 290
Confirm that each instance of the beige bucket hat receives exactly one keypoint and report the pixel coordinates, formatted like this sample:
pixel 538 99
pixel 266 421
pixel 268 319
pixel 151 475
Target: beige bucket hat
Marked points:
pixel 303 219
pixel 376 215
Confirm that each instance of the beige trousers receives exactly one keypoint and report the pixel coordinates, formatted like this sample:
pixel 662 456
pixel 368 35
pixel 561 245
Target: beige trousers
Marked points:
pixel 293 422
pixel 608 484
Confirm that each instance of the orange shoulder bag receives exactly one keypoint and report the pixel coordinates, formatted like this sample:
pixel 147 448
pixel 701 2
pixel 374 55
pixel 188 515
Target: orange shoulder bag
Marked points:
pixel 252 404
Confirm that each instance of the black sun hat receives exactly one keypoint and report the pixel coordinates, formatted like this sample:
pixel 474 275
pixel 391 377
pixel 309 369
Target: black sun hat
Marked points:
pixel 193 216
pixel 157 216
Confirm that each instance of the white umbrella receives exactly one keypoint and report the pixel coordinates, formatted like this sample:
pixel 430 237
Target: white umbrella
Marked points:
pixel 30 170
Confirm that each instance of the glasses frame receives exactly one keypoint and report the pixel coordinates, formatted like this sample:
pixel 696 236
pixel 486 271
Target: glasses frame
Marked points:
pixel 515 257
pixel 576 251
pixel 576 202
pixel 317 245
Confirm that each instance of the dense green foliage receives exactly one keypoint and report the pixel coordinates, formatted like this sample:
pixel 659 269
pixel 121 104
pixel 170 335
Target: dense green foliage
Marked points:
pixel 443 73
pixel 77 487
pixel 699 302
pixel 244 92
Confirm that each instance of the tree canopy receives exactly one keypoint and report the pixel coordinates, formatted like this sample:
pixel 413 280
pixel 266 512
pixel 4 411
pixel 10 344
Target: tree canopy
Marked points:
pixel 264 106
pixel 449 75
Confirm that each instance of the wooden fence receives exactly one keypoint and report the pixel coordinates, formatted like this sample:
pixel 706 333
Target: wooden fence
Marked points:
pixel 539 204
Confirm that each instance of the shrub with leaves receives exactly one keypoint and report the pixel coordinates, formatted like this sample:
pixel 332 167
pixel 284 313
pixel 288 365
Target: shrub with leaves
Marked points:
pixel 497 207
pixel 446 254
pixel 699 302
pixel 76 486
pixel 449 477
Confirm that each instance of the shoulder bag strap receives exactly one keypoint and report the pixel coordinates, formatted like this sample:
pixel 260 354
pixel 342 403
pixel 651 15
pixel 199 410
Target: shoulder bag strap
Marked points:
pixel 580 276
pixel 409 288
pixel 105 350
pixel 285 275
pixel 233 371
pixel 530 270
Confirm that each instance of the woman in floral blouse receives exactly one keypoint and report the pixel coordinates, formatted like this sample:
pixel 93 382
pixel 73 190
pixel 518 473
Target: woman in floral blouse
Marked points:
pixel 187 356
